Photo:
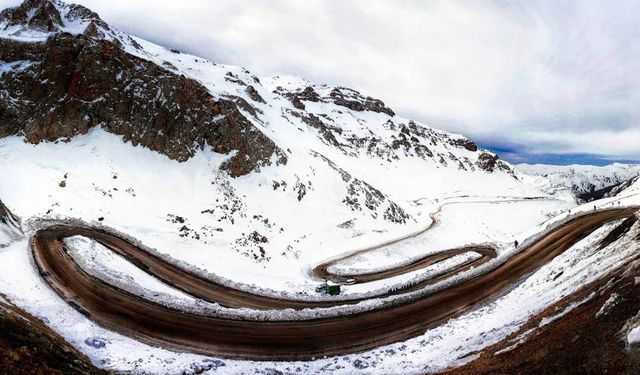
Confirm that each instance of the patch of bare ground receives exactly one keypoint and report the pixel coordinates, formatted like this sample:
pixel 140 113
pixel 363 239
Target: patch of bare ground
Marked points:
pixel 582 334
pixel 27 346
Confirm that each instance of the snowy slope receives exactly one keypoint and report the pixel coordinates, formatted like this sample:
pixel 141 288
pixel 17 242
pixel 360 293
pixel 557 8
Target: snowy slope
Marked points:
pixel 579 179
pixel 354 172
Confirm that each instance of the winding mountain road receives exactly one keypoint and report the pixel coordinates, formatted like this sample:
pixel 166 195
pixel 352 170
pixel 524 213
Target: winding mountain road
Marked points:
pixel 123 312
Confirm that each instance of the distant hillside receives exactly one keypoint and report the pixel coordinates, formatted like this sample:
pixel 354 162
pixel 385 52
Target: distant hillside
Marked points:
pixel 583 181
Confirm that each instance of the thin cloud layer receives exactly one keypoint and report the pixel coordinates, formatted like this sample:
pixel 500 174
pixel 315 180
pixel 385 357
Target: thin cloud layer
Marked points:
pixel 551 77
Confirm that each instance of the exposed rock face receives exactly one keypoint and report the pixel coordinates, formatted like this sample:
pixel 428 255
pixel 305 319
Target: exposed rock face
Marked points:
pixel 617 189
pixel 254 95
pixel 390 138
pixel 71 83
pixel 340 96
pixel 36 14
pixel 326 131
pixel 353 100
pixel 363 197
pixel 489 162
pixel 27 346
pixel 6 216
pixel 309 94
pixel 467 144
pixel 10 228
pixel 607 192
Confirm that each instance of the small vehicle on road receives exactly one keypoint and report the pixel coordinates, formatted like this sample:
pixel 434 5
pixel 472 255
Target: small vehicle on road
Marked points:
pixel 333 290
pixel 350 281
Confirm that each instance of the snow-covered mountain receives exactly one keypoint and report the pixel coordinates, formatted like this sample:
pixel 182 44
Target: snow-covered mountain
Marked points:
pixel 266 166
pixel 584 181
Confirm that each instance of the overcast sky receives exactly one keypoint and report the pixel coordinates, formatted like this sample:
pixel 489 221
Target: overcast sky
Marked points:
pixel 534 80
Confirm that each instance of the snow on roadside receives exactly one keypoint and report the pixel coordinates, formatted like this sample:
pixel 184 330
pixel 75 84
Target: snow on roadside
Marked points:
pixel 436 349
pixel 22 285
pixel 356 266
pixel 378 287
pixel 100 262
pixel 474 220
pixel 448 344
pixel 504 255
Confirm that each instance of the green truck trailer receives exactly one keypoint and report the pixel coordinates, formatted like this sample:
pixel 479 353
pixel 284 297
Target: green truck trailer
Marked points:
pixel 332 290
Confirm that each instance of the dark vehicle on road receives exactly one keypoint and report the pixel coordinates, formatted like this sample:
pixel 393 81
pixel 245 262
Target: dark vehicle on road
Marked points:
pixel 333 290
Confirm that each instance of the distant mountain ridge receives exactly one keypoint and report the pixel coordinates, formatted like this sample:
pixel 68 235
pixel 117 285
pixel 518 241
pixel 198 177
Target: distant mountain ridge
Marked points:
pixel 582 180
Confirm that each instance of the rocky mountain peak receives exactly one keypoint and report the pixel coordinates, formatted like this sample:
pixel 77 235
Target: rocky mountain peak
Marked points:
pixel 64 71
pixel 35 19
pixel 42 15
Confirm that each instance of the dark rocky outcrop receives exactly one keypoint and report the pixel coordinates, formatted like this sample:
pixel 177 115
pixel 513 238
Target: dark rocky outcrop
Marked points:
pixel 6 217
pixel 490 162
pixel 10 226
pixel 309 94
pixel 36 14
pixel 297 103
pixel 27 346
pixel 361 196
pixel 340 96
pixel 353 100
pixel 73 83
pixel 325 130
pixel 467 144
pixel 254 95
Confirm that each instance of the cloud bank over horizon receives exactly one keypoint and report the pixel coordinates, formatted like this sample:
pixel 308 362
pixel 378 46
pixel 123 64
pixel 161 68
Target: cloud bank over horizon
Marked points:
pixel 534 78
